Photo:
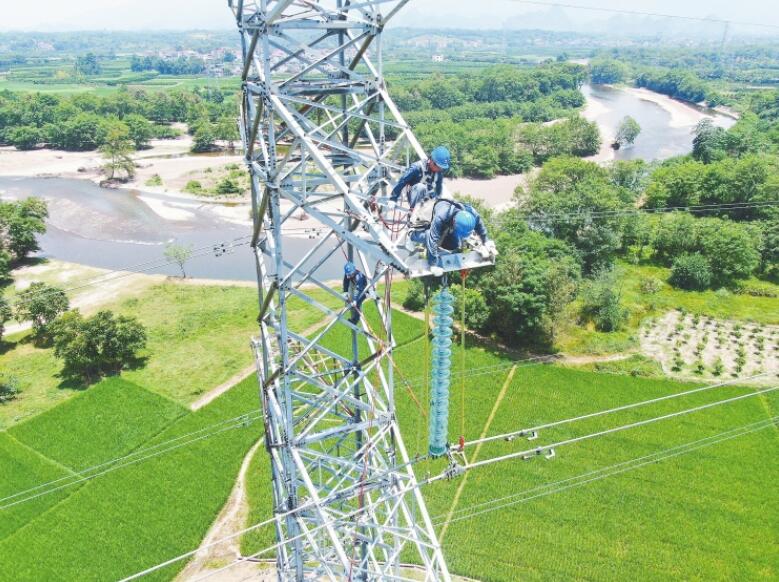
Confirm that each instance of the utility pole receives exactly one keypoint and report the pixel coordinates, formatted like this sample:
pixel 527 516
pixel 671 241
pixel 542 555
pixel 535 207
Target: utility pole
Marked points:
pixel 322 136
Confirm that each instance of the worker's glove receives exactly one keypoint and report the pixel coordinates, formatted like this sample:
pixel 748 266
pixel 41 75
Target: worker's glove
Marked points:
pixel 491 248
pixel 347 298
pixel 437 271
pixel 370 294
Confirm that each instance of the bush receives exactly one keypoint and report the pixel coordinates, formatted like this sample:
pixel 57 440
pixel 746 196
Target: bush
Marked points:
pixel 155 180
pixel 691 272
pixel 9 388
pixel 415 296
pixel 651 285
pixel 193 187
pixel 476 311
pixel 602 302
pixel 96 346
pixel 228 186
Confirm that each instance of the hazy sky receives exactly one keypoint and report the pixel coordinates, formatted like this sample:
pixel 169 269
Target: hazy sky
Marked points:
pixel 52 15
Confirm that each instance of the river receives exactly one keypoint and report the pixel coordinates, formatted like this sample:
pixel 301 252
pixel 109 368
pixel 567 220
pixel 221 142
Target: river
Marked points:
pixel 117 229
pixel 666 131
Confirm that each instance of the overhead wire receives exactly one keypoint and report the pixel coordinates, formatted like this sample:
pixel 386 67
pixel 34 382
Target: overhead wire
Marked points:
pixel 426 481
pixel 622 408
pixel 121 462
pixel 151 452
pixel 541 217
pixel 544 448
pixel 476 509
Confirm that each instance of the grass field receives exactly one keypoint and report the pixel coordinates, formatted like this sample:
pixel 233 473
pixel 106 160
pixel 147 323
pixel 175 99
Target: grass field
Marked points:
pixel 704 515
pixel 585 339
pixel 198 338
pixel 614 528
pixel 132 517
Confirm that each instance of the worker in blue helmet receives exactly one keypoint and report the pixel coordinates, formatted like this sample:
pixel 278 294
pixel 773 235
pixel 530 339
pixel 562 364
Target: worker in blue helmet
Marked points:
pixel 355 290
pixel 452 223
pixel 423 179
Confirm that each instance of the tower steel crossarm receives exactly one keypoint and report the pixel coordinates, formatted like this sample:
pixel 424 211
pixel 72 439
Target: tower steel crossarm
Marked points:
pixel 323 140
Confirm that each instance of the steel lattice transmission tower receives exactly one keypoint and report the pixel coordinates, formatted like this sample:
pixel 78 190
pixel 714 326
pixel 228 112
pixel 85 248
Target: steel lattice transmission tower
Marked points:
pixel 323 139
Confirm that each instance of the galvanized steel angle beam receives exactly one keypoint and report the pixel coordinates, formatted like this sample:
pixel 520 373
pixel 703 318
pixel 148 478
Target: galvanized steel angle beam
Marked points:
pixel 313 120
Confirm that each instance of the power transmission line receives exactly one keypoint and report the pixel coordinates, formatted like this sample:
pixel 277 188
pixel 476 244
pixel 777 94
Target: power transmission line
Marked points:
pixel 541 217
pixel 643 13
pixel 602 473
pixel 545 448
pixel 427 481
pixel 127 460
pixel 528 431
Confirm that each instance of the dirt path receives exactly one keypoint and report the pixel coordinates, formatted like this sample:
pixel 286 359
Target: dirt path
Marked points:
pixel 581 360
pixel 230 520
pixel 222 388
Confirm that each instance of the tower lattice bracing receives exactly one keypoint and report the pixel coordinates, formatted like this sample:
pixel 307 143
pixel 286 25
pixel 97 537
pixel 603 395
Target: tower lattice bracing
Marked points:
pixel 324 141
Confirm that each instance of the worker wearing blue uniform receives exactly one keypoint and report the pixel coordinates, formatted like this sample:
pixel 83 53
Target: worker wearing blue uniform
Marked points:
pixel 355 287
pixel 424 179
pixel 452 223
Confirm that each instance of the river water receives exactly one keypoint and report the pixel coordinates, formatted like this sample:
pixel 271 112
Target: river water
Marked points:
pixel 116 229
pixel 661 136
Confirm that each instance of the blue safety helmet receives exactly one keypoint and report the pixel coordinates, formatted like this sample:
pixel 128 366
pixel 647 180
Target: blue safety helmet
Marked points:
pixel 349 269
pixel 441 157
pixel 464 223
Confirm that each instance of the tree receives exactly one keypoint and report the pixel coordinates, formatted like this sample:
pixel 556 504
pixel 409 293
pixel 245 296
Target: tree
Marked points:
pixel 530 284
pixel 574 200
pixel 6 313
pixel 476 310
pixel 96 346
pixel 88 65
pixel 139 130
pixel 628 131
pixel 227 130
pixel 116 150
pixel 20 223
pixel 602 301
pixel 731 248
pixel 607 71
pixel 691 272
pixel 179 254
pixel 40 304
pixel 5 266
pixel 81 132
pixel 25 137
pixel 709 141
pixel 204 138
pixel 770 247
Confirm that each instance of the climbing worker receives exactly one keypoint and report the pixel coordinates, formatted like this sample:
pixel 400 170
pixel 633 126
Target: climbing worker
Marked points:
pixel 424 179
pixel 452 223
pixel 355 286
